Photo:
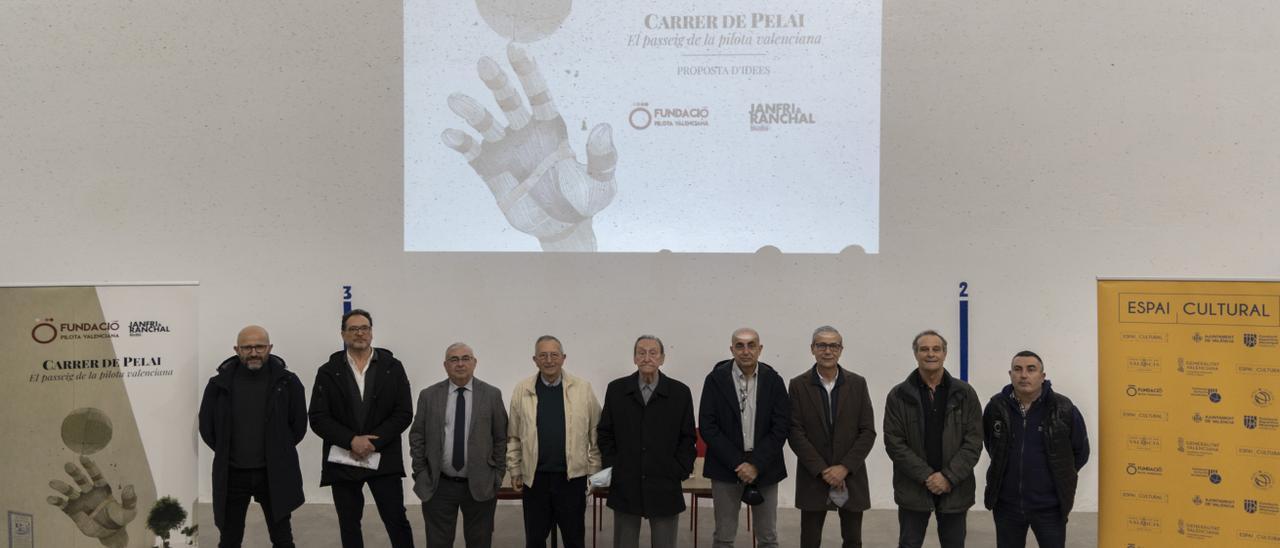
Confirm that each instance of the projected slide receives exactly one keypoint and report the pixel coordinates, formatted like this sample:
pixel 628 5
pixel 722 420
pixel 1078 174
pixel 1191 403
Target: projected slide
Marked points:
pixel 550 125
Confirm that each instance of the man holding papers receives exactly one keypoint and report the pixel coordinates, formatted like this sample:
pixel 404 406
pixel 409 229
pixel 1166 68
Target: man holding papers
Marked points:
pixel 359 406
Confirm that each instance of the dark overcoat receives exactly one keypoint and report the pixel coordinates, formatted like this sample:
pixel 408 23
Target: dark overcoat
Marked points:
pixel 819 444
pixel 286 425
pixel 650 447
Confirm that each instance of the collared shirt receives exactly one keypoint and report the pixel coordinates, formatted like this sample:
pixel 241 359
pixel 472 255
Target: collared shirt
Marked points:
pixel 647 390
pixel 829 386
pixel 559 380
pixel 746 387
pixel 829 395
pixel 450 407
pixel 360 374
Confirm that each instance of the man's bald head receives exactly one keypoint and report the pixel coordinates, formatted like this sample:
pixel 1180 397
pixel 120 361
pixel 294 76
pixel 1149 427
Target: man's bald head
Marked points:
pixel 253 345
pixel 253 331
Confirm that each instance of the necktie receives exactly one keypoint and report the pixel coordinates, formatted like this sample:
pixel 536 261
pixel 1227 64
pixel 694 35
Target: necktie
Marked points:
pixel 460 431
pixel 648 391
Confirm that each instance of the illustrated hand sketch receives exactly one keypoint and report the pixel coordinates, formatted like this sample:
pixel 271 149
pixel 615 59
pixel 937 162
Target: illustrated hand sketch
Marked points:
pixel 537 180
pixel 92 507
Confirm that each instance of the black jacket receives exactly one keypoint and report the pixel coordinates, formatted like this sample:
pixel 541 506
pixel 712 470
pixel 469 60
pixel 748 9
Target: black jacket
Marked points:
pixel 650 447
pixel 720 423
pixel 1035 459
pixel 286 425
pixel 389 412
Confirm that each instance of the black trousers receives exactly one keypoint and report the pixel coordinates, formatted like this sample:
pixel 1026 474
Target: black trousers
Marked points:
pixel 912 526
pixel 243 485
pixel 441 514
pixel 811 522
pixel 555 500
pixel 1011 527
pixel 388 495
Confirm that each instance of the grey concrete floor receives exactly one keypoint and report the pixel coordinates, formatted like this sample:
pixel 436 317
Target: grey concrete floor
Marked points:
pixel 316 526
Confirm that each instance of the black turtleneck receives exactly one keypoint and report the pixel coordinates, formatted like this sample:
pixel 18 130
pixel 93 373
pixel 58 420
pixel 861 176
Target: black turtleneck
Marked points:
pixel 248 418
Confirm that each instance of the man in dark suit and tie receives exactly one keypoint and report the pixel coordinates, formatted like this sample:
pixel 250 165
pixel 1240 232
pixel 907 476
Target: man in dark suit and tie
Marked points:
pixel 458 443
pixel 360 406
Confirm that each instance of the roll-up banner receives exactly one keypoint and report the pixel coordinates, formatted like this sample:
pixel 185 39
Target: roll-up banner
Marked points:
pixel 99 386
pixel 1188 372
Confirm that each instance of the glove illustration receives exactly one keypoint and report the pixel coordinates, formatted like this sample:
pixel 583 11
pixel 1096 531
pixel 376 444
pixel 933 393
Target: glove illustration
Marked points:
pixel 539 184
pixel 92 507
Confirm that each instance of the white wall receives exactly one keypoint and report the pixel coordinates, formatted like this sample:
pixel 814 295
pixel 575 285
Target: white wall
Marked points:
pixel 1027 149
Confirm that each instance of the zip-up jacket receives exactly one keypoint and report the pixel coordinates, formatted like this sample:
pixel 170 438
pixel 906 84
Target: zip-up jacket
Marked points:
pixel 1036 456
pixel 904 426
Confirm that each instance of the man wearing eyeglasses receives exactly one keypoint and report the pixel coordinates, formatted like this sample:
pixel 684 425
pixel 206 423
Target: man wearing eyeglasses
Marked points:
pixel 832 430
pixel 551 447
pixel 646 435
pixel 253 414
pixel 359 406
pixel 744 417
pixel 458 443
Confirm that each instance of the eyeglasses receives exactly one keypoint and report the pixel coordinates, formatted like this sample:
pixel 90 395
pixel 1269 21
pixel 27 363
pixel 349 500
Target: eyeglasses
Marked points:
pixel 823 347
pixel 254 348
pixel 460 359
pixel 548 356
pixel 359 329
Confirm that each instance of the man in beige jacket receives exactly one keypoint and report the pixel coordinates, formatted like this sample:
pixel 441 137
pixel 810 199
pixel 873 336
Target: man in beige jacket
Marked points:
pixel 551 447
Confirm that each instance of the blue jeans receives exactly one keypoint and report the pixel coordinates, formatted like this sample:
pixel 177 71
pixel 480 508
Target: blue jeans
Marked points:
pixel 1011 527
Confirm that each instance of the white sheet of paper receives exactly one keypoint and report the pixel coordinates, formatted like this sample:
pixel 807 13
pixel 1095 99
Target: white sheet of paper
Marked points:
pixel 342 456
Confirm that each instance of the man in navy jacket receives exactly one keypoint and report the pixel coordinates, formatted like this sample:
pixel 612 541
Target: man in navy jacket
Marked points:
pixel 1037 442
pixel 745 417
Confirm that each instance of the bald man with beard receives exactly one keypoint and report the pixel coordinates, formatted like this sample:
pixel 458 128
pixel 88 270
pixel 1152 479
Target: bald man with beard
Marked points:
pixel 253 415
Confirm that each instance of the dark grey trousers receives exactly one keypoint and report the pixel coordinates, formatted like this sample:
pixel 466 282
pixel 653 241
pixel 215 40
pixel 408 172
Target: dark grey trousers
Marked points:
pixel 441 516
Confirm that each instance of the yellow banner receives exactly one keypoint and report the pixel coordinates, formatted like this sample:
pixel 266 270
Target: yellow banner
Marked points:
pixel 1189 441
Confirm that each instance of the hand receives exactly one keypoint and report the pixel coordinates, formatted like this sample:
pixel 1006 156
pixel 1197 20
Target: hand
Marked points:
pixel 516 484
pixel 937 483
pixel 362 446
pixel 541 187
pixel 92 507
pixel 834 475
pixel 747 472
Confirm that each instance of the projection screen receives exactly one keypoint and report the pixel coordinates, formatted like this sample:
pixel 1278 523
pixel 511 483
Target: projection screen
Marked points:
pixel 642 126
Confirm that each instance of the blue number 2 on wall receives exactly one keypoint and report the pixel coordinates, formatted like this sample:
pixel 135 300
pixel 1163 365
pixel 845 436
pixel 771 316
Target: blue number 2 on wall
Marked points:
pixel 964 331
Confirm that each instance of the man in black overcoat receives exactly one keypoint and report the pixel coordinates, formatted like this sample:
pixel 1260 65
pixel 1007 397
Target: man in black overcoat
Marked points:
pixel 253 414
pixel 646 435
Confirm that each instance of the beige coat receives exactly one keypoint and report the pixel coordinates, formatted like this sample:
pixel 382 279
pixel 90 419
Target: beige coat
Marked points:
pixel 581 413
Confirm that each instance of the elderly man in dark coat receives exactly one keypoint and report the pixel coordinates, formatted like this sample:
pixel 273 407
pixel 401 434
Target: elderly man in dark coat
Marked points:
pixel 832 430
pixel 253 415
pixel 646 435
